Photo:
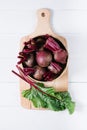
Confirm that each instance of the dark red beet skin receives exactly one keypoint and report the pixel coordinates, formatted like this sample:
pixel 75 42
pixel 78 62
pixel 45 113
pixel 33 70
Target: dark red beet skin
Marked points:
pixel 60 56
pixel 43 58
pixel 39 72
pixel 30 60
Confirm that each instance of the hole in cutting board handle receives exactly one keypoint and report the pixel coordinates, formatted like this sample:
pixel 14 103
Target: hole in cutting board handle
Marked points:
pixel 43 14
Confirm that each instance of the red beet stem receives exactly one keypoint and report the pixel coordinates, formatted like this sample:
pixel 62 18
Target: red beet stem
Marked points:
pixel 31 84
pixel 48 76
pixel 22 54
pixel 47 36
pixel 30 48
pixel 56 66
pixel 52 45
pixel 27 51
pixel 21 61
pixel 20 57
pixel 26 43
pixel 25 78
pixel 18 75
pixel 28 71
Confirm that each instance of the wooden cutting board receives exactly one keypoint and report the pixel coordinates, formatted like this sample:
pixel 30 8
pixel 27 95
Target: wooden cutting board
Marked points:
pixel 44 27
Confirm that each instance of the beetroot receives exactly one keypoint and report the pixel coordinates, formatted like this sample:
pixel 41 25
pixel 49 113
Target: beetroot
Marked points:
pixel 40 43
pixel 60 56
pixel 30 60
pixel 39 72
pixel 43 58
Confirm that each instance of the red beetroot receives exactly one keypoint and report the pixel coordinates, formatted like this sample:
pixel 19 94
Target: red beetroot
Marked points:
pixel 40 43
pixel 43 58
pixel 30 60
pixel 60 56
pixel 39 72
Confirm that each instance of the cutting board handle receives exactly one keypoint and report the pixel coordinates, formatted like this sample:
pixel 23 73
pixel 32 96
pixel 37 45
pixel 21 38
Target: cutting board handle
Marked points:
pixel 43 23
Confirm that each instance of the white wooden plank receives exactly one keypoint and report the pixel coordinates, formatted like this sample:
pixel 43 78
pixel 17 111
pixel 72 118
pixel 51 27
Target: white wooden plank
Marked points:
pixel 25 21
pixel 10 95
pixel 70 21
pixel 77 46
pixel 18 118
pixel 6 68
pixel 78 92
pixel 29 4
pixel 9 45
pixel 77 70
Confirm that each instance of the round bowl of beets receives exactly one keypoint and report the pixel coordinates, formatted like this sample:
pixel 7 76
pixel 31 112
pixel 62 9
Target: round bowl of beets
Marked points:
pixel 43 58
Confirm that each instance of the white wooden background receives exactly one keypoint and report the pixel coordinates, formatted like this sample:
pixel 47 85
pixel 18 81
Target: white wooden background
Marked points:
pixel 18 18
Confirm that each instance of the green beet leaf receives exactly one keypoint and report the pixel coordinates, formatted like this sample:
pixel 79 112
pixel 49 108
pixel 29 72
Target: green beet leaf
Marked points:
pixel 47 97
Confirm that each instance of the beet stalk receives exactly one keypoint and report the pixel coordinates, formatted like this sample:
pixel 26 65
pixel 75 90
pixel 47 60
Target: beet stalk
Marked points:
pixel 28 71
pixel 21 61
pixel 51 44
pixel 30 48
pixel 22 56
pixel 33 84
pixel 60 55
pixel 48 76
pixel 54 68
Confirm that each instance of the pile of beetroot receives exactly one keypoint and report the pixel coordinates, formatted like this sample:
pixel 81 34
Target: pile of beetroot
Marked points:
pixel 43 58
